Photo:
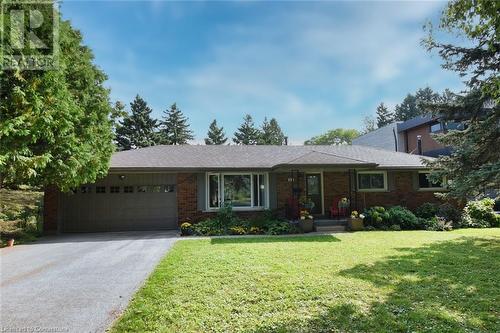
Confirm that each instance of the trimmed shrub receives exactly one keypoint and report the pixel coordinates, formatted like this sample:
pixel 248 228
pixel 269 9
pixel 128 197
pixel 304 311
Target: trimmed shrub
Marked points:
pixel 237 230
pixel 480 214
pixel 403 217
pixel 277 227
pixel 450 213
pixel 208 227
pixel 395 227
pixel 439 224
pixel 10 229
pixel 370 228
pixel 427 210
pixel 376 217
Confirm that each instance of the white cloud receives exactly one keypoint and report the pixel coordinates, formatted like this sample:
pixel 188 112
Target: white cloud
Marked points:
pixel 311 67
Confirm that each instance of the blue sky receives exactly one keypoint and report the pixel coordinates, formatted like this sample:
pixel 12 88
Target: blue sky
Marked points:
pixel 312 65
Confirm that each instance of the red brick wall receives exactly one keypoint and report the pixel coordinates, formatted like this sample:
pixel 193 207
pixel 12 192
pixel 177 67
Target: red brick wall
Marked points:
pixel 187 197
pixel 50 209
pixel 336 184
pixel 402 192
pixel 428 143
pixel 187 201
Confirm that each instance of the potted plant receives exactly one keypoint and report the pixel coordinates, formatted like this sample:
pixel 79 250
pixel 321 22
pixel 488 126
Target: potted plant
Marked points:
pixel 186 229
pixel 355 223
pixel 306 203
pixel 306 221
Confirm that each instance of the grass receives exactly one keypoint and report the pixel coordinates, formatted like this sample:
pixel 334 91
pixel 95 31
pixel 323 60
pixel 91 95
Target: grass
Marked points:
pixel 407 281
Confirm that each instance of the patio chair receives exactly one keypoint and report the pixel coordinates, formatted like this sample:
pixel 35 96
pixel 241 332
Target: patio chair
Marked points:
pixel 336 210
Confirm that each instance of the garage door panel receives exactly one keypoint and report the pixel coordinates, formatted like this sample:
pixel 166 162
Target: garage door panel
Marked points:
pixel 86 212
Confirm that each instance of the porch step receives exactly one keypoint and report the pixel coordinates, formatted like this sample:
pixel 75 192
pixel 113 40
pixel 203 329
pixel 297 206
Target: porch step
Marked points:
pixel 330 222
pixel 331 228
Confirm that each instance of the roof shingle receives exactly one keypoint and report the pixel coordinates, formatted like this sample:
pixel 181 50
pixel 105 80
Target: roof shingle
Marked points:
pixel 260 157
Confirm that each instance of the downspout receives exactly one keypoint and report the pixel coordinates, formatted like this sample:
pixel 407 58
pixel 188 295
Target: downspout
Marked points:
pixel 395 138
pixel 350 191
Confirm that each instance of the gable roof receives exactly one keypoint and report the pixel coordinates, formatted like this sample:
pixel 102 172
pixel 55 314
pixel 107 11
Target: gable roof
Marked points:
pixel 261 157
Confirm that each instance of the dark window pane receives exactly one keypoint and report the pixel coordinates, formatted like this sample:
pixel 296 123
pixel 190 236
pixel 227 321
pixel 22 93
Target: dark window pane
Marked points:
pixel 100 189
pixel 377 180
pixel 85 189
pixel 114 189
pixel 364 181
pixel 313 187
pixel 128 189
pixel 169 188
pixel 424 182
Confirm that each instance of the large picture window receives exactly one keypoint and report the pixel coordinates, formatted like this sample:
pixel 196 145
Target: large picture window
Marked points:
pixel 245 190
pixel 372 181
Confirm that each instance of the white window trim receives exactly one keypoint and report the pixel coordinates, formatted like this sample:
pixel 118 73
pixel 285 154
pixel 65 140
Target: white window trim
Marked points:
pixel 221 190
pixel 423 189
pixel 384 173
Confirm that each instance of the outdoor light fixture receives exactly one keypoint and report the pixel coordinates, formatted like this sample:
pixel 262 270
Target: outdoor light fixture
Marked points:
pixel 122 177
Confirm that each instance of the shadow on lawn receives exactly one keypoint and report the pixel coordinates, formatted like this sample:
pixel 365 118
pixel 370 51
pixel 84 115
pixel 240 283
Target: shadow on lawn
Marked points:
pixel 450 286
pixel 275 239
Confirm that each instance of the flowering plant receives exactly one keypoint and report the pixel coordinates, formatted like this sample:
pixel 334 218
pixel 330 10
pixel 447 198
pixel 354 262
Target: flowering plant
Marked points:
pixel 355 214
pixel 304 214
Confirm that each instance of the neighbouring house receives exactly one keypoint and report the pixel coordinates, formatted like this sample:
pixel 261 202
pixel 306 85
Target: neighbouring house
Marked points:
pixel 413 136
pixel 162 186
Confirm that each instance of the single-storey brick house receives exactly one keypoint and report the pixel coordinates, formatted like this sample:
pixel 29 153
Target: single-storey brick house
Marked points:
pixel 161 186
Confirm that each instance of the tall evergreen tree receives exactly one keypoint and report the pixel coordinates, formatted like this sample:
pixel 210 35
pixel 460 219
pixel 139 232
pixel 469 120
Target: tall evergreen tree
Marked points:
pixel 407 109
pixel 475 162
pixel 384 116
pixel 271 133
pixel 425 96
pixel 55 126
pixel 175 128
pixel 137 129
pixel 247 134
pixel 215 135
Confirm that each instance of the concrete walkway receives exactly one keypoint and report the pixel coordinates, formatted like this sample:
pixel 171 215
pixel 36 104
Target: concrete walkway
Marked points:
pixel 75 282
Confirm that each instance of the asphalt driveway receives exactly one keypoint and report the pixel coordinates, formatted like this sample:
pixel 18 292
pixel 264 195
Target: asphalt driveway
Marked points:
pixel 75 283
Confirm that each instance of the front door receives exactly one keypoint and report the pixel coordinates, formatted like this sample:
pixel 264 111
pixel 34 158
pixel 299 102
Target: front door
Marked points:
pixel 313 191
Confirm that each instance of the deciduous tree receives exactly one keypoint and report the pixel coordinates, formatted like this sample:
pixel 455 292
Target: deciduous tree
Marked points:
pixel 338 136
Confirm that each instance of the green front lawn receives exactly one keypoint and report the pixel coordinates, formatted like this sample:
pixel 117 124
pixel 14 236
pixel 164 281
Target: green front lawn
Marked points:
pixel 411 281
